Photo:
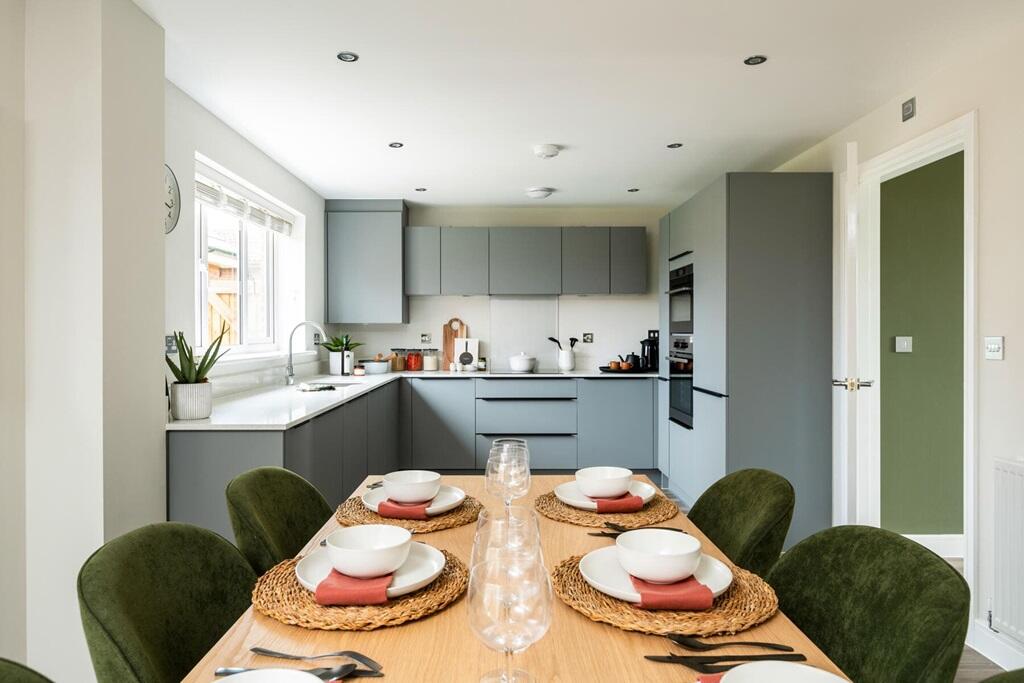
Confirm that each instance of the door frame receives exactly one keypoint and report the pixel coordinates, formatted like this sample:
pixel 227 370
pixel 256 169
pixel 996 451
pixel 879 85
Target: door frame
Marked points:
pixel 857 467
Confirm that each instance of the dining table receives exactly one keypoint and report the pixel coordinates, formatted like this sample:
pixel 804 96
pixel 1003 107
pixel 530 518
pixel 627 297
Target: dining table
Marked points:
pixel 442 647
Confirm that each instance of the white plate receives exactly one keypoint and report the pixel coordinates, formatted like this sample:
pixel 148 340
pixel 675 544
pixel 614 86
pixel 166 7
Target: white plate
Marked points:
pixel 274 676
pixel 570 494
pixel 447 498
pixel 425 564
pixel 778 672
pixel 601 569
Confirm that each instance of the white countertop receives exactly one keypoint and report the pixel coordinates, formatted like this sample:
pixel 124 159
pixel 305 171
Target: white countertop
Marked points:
pixel 282 407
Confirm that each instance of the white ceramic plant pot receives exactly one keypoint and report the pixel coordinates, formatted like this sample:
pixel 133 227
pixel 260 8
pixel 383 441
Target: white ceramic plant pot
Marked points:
pixel 566 360
pixel 191 401
pixel 335 358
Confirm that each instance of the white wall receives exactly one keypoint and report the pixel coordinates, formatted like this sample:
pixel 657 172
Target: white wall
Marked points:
pixel 618 322
pixel 990 83
pixel 93 408
pixel 190 129
pixel 12 331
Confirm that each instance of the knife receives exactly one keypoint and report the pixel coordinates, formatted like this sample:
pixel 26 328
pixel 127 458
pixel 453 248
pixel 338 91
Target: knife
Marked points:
pixel 716 659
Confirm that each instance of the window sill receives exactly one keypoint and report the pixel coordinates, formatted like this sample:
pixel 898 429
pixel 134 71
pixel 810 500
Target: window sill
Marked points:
pixel 233 364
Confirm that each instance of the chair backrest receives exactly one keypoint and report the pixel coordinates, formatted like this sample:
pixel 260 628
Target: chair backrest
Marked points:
pixel 882 607
pixel 1015 676
pixel 747 515
pixel 155 600
pixel 274 513
pixel 13 672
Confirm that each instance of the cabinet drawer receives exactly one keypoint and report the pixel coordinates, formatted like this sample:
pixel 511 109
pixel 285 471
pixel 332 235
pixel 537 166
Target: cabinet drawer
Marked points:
pixel 526 388
pixel 546 452
pixel 525 417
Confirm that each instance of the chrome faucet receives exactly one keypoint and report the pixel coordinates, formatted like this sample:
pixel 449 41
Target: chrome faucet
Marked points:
pixel 290 369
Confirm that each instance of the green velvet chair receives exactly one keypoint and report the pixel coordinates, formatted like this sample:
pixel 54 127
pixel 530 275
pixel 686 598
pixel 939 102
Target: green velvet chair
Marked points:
pixel 1016 676
pixel 273 513
pixel 12 672
pixel 747 515
pixel 155 600
pixel 883 608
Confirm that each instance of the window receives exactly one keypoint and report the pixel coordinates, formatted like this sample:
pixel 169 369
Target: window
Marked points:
pixel 236 265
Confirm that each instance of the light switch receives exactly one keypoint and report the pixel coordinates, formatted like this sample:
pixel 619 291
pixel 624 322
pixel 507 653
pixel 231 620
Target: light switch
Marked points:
pixel 993 348
pixel 904 344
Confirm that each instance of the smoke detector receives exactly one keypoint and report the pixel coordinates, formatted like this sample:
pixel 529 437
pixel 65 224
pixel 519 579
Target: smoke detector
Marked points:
pixel 539 192
pixel 546 151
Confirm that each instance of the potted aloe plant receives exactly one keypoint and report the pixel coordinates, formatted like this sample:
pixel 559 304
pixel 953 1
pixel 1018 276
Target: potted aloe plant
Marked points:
pixel 191 393
pixel 340 354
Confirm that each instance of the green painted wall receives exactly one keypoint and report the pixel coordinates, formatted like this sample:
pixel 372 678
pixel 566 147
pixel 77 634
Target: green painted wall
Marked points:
pixel 922 256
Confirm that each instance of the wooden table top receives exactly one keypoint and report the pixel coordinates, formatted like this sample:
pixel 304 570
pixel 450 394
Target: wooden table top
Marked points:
pixel 443 648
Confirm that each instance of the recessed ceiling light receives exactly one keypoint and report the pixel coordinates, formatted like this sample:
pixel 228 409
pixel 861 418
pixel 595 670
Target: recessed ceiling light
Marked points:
pixel 421 189
pixel 546 151
pixel 674 145
pixel 396 145
pixel 539 192
pixel 754 60
pixel 348 56
pixel 633 189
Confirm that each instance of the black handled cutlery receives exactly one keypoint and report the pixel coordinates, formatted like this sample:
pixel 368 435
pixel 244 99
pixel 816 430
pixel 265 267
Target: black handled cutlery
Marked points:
pixel 700 646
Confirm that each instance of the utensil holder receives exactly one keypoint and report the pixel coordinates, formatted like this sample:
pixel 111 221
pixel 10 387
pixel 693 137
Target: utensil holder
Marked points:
pixel 566 360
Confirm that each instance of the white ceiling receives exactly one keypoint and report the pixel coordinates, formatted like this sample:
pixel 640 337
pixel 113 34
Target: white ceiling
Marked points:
pixel 470 85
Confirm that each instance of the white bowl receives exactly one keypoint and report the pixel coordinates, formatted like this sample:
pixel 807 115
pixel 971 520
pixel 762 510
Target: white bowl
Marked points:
pixel 657 555
pixel 376 367
pixel 603 482
pixel 521 363
pixel 368 550
pixel 412 486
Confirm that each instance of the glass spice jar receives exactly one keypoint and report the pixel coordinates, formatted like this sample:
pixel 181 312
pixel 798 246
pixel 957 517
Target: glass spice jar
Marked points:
pixel 430 361
pixel 398 360
pixel 414 360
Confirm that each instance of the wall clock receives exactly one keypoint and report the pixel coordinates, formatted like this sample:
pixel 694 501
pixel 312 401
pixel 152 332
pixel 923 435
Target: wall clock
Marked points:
pixel 172 199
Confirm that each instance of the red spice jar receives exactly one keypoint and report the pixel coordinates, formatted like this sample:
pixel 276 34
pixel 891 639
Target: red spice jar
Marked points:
pixel 414 361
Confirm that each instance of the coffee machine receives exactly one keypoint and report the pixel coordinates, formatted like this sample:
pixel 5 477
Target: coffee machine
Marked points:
pixel 649 352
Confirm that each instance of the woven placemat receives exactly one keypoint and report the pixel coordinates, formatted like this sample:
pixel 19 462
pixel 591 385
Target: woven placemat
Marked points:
pixel 279 595
pixel 748 602
pixel 658 510
pixel 353 512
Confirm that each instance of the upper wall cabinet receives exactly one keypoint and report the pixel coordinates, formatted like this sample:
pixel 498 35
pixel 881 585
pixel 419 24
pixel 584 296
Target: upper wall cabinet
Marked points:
pixel 526 261
pixel 628 259
pixel 585 261
pixel 422 259
pixel 464 261
pixel 364 269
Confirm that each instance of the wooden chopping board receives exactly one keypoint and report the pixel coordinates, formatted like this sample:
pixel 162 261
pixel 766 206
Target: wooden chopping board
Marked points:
pixel 453 329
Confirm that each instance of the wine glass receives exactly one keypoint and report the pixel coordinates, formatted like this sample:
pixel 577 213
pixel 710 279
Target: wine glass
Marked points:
pixel 509 610
pixel 516 535
pixel 508 471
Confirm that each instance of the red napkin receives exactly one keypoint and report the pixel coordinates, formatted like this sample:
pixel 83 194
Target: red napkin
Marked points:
pixel 627 502
pixel 688 594
pixel 395 510
pixel 340 589
pixel 710 678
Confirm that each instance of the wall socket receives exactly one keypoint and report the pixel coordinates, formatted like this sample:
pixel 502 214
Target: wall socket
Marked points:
pixel 424 337
pixel 588 337
pixel 317 339
pixel 170 345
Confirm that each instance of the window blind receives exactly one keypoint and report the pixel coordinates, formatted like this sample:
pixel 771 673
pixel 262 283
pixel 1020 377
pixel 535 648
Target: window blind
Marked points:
pixel 212 192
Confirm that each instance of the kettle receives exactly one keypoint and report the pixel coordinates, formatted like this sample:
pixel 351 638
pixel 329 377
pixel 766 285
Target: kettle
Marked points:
pixel 649 351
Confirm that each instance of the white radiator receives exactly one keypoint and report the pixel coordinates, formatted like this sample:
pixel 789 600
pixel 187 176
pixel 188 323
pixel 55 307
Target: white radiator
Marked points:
pixel 1008 598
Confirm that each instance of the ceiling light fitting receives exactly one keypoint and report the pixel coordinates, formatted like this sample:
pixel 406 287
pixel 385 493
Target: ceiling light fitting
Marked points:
pixel 539 192
pixel 396 145
pixel 754 60
pixel 546 151
pixel 348 56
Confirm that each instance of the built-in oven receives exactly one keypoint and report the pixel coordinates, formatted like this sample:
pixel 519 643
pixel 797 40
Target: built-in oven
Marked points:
pixel 680 299
pixel 680 360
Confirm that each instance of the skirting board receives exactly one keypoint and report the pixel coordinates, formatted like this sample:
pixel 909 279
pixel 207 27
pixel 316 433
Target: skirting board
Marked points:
pixel 1005 652
pixel 943 545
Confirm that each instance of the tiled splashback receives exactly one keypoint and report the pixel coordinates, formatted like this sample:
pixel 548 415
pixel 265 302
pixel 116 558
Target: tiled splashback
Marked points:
pixel 522 324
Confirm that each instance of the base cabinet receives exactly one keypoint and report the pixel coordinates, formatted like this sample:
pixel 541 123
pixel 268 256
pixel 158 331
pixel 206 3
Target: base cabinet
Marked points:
pixel 443 423
pixel 681 475
pixel 382 436
pixel 616 422
pixel 354 444
pixel 313 451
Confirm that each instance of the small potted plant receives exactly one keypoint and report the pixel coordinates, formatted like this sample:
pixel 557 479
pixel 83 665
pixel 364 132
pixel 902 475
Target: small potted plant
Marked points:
pixel 191 393
pixel 340 354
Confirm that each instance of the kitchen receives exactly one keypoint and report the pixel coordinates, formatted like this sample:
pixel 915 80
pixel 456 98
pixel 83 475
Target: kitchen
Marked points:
pixel 409 241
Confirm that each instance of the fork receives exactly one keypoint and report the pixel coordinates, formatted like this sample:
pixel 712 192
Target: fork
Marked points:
pixel 701 646
pixel 351 654
pixel 323 673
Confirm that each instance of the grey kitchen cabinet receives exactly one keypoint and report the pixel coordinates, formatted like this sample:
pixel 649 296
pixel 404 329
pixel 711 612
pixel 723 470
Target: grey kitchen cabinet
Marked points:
pixel 525 388
pixel 525 416
pixel 381 426
pixel 547 452
pixel 443 423
pixel 628 260
pixel 364 269
pixel 706 461
pixel 422 255
pixel 616 422
pixel 662 435
pixel 525 261
pixel 682 463
pixel 313 451
pixel 585 261
pixel 680 240
pixel 354 444
pixel 464 261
